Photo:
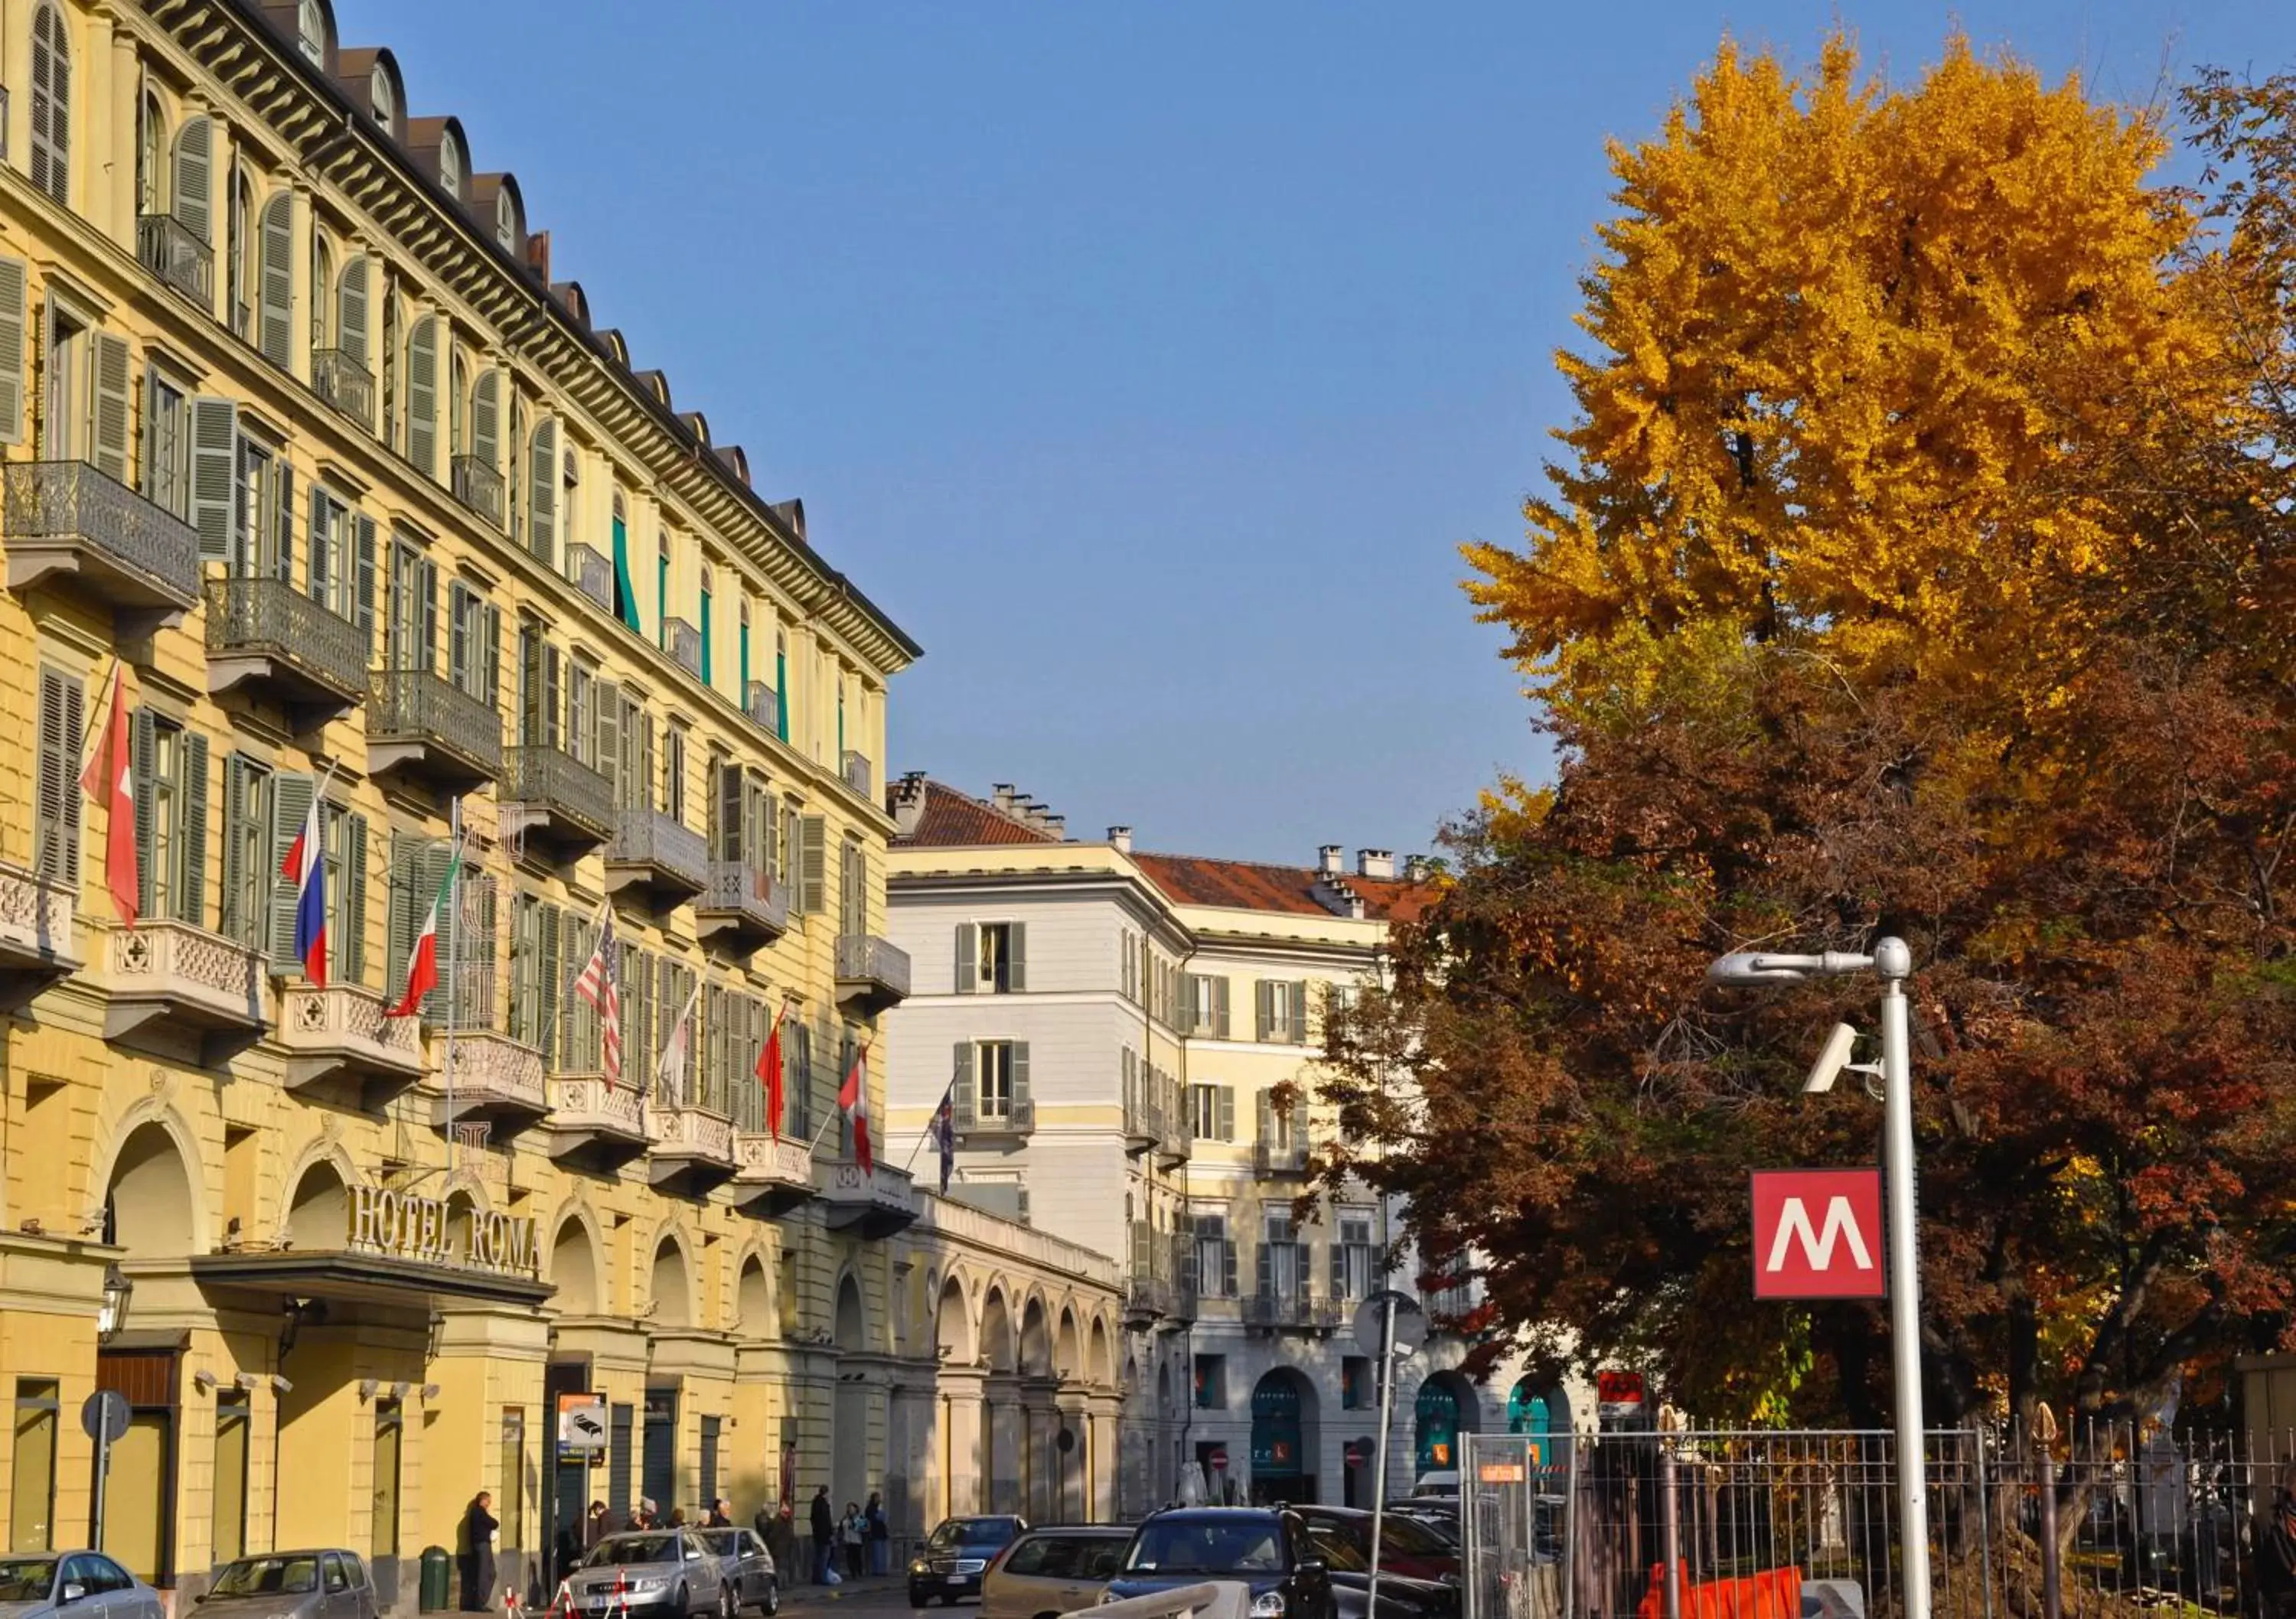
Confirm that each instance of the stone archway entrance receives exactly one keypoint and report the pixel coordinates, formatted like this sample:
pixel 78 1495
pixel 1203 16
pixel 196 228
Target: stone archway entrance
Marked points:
pixel 1446 1408
pixel 1284 1438
pixel 849 1442
pixel 148 1211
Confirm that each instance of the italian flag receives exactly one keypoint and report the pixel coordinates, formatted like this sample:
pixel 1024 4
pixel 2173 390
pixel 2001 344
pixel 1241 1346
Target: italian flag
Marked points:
pixel 423 969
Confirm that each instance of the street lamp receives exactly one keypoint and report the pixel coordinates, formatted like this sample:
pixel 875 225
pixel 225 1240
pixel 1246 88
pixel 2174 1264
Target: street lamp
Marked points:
pixel 112 1312
pixel 1893 962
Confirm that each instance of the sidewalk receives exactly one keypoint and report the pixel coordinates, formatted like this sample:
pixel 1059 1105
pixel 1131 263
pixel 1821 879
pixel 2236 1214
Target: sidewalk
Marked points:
pixel 810 1596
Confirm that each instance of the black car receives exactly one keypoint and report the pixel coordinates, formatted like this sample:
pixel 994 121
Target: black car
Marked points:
pixel 958 1554
pixel 1345 1545
pixel 1266 1547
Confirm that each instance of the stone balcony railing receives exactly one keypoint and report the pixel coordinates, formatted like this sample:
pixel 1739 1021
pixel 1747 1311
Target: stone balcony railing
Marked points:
pixel 592 573
pixel 693 1148
pixel 341 1036
pixel 37 944
pixel 477 486
pixel 607 1125
pixel 494 1077
pixel 263 632
pixel 871 1203
pixel 63 522
pixel 431 725
pixel 1144 1125
pixel 343 383
pixel 172 251
pixel 775 1173
pixel 176 988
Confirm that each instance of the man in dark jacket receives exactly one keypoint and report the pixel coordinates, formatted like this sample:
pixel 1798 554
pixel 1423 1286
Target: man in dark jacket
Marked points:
pixel 478 1554
pixel 824 1521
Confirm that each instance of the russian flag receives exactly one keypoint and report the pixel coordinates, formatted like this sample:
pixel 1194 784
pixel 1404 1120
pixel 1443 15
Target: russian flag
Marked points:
pixel 306 868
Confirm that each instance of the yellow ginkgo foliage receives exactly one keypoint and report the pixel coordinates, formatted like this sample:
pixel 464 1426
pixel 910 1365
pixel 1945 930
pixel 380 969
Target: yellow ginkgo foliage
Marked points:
pixel 1862 360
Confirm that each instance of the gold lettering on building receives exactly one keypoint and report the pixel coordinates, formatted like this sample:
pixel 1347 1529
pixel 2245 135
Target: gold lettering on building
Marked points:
pixel 429 1229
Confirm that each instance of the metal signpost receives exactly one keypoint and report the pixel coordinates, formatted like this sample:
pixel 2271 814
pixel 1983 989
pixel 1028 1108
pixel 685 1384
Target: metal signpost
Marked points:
pixel 1389 1325
pixel 102 1418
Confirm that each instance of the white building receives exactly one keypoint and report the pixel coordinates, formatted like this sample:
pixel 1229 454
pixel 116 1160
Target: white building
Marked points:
pixel 1122 1036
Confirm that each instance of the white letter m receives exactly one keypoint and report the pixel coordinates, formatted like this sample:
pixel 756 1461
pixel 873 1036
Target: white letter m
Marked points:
pixel 1817 1246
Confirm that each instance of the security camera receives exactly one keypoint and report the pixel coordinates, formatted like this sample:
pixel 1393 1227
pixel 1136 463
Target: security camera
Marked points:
pixel 1831 1061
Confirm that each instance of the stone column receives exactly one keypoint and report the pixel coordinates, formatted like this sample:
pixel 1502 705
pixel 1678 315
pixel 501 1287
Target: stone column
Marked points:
pixel 1004 1420
pixel 961 1443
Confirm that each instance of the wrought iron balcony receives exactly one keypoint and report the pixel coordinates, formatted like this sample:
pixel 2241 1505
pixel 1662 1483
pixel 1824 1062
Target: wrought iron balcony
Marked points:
pixel 682 643
pixel 1019 1118
pixel 593 574
pixel 264 633
pixel 552 797
pixel 179 990
pixel 856 770
pixel 694 1151
pixel 418 722
pixel 65 525
pixel 36 944
pixel 596 1127
pixel 342 382
pixel 741 907
pixel 873 1203
pixel 776 1174
pixel 494 1079
pixel 1175 1144
pixel 871 973
pixel 763 705
pixel 477 486
pixel 1146 1299
pixel 1272 1160
pixel 1144 1126
pixel 658 853
pixel 1295 1311
pixel 339 1044
pixel 172 252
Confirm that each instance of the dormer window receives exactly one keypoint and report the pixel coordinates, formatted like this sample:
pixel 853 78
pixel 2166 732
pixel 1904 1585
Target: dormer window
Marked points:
pixel 450 166
pixel 381 99
pixel 311 31
pixel 505 222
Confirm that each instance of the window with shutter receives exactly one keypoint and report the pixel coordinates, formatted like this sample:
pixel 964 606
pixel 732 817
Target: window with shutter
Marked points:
pixel 15 313
pixel 351 303
pixel 542 491
pixel 422 395
pixel 52 86
pixel 275 285
pixel 108 387
pixel 55 833
pixel 291 806
pixel 968 970
pixel 362 594
pixel 194 179
pixel 215 475
pixel 813 858
pixel 852 888
pixel 249 877
pixel 486 420
pixel 965 1112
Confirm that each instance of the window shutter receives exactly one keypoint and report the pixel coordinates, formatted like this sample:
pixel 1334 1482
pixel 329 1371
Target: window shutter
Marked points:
pixel 62 699
pixel 234 845
pixel 552 955
pixel 490 655
pixel 422 395
pixel 276 293
pixel 486 420
pixel 962 1113
pixel 1227 1267
pixel 108 366
pixel 215 476
pixel 1219 1007
pixel 1299 1035
pixel 1186 1020
pixel 1266 1120
pixel 363 602
pixel 541 490
pixel 320 540
pixel 291 806
pixel 351 310
pixel 144 761
pixel 51 103
pixel 1017 950
pixel 814 834
pixel 283 525
pixel 194 207
pixel 725 809
pixel 1226 1113
pixel 1265 1008
pixel 352 953
pixel 1020 1080
pixel 606 746
pixel 191 893
pixel 14 318
pixel 968 970
pixel 399 923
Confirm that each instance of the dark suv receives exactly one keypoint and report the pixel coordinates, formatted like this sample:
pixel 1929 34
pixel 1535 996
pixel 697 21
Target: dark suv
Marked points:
pixel 959 1553
pixel 1266 1547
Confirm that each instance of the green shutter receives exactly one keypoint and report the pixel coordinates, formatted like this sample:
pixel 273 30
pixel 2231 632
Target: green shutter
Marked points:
pixel 812 878
pixel 15 318
pixel 291 806
pixel 550 959
pixel 191 892
pixel 194 204
pixel 56 808
pixel 1225 1110
pixel 1016 936
pixel 541 490
pixel 968 967
pixel 234 847
pixel 363 594
pixel 350 951
pixel 1019 1078
pixel 963 1110
pixel 626 596
pixel 401 922
pixel 108 363
pixel 422 395
pixel 143 761
pixel 215 475
pixel 1299 1035
pixel 351 310
pixel 275 293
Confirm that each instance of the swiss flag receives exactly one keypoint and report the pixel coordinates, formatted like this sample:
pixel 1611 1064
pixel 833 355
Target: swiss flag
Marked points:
pixel 853 1101
pixel 109 778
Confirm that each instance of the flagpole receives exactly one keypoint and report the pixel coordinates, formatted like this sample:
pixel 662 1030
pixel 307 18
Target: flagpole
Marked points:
pixel 453 903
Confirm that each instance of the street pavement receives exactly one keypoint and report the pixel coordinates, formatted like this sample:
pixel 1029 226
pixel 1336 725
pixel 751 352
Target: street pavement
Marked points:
pixel 869 1595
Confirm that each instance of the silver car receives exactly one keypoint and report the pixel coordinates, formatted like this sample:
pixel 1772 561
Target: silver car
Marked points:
pixel 745 1564
pixel 87 1582
pixel 324 1582
pixel 664 1574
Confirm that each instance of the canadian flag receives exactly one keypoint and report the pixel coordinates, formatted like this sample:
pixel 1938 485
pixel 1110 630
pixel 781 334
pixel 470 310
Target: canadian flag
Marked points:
pixel 109 778
pixel 853 1101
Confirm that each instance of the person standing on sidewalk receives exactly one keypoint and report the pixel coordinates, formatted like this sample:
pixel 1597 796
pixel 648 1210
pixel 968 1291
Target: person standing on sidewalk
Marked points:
pixel 823 1521
pixel 855 1533
pixel 880 1535
pixel 478 1526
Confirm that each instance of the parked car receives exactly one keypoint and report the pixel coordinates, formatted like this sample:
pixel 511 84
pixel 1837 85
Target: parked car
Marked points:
pixel 1401 1597
pixel 1407 1546
pixel 1266 1547
pixel 328 1582
pixel 1049 1572
pixel 744 1563
pixel 664 1572
pixel 1437 1484
pixel 86 1582
pixel 958 1555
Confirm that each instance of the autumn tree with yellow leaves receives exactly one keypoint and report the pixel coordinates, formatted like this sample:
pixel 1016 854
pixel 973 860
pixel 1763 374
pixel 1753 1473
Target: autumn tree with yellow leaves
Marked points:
pixel 1918 561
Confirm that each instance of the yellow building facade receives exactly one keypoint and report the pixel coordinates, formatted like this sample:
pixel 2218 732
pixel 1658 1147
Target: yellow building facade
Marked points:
pixel 302 448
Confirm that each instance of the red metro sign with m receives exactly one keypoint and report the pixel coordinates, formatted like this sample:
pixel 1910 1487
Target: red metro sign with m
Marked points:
pixel 1817 1234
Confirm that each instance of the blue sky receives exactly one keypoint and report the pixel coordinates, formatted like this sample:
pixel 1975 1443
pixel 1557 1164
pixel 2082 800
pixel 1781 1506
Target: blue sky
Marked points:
pixel 1148 361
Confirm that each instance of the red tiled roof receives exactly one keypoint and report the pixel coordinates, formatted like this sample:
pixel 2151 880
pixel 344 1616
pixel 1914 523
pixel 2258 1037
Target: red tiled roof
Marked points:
pixel 953 819
pixel 1243 885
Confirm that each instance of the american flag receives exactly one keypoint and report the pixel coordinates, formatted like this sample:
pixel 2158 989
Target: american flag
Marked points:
pixel 598 985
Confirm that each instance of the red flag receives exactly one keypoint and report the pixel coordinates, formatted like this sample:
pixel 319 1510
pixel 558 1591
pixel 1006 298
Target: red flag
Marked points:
pixel 770 1075
pixel 853 1099
pixel 109 778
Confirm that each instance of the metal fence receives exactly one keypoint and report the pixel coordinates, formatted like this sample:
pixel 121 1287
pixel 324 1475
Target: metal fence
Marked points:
pixel 1709 1524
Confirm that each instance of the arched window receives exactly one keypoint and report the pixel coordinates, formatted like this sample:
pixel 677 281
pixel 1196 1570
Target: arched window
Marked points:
pixel 505 221
pixel 52 69
pixel 381 98
pixel 311 32
pixel 450 165
pixel 151 156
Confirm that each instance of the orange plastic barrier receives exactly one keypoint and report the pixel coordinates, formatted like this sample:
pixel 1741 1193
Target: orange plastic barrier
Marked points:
pixel 1774 1594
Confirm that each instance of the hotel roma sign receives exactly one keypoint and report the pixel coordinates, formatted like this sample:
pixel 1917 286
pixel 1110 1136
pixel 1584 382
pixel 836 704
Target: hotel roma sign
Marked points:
pixel 405 1226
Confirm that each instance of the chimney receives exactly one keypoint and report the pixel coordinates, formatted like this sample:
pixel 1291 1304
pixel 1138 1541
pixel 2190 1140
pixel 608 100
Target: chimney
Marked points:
pixel 1000 794
pixel 1121 837
pixel 1374 862
pixel 1327 860
pixel 1414 868
pixel 537 253
pixel 1053 826
pixel 905 801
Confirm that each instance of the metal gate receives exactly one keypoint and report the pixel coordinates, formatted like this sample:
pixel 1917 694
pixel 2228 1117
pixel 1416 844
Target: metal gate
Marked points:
pixel 1514 1520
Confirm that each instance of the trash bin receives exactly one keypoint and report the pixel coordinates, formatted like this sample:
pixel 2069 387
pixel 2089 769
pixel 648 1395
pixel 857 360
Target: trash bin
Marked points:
pixel 438 1581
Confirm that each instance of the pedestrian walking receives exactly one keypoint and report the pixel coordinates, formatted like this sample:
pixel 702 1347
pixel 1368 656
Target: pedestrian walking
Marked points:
pixel 822 1519
pixel 598 1529
pixel 855 1533
pixel 478 1549
pixel 721 1515
pixel 677 1517
pixel 880 1535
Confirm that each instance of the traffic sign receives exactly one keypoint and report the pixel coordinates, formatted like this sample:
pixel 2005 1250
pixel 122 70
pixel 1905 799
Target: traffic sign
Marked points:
pixel 581 1426
pixel 1410 1323
pixel 1817 1234
pixel 103 1415
pixel 1617 1395
pixel 1218 1458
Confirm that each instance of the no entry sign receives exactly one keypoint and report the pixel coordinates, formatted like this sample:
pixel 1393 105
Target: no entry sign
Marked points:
pixel 1817 1234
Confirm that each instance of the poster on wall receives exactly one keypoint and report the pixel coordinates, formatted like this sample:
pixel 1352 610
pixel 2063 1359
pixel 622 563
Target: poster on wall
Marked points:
pixel 582 1427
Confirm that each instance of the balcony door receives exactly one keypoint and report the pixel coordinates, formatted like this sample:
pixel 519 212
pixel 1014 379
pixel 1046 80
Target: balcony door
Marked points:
pixel 64 387
pixel 411 635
